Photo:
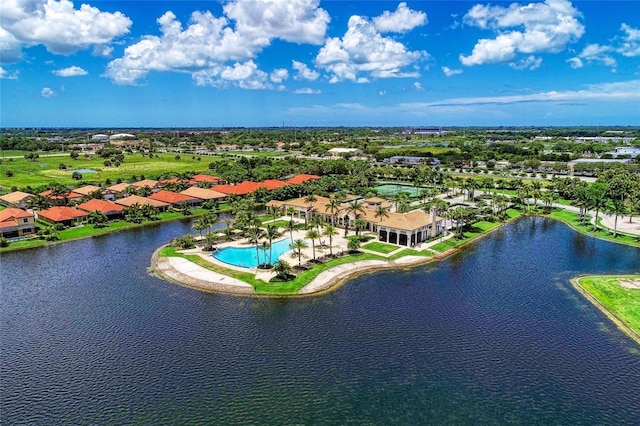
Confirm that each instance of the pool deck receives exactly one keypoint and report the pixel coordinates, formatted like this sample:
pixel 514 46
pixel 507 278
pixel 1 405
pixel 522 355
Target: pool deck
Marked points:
pixel 190 275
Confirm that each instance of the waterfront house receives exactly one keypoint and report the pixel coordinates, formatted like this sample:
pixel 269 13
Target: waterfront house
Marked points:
pixel 107 208
pixel 173 198
pixel 64 215
pixel 15 222
pixel 203 194
pixel 141 201
pixel 16 199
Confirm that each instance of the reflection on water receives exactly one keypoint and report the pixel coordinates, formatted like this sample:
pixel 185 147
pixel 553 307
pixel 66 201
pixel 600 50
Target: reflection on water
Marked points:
pixel 493 334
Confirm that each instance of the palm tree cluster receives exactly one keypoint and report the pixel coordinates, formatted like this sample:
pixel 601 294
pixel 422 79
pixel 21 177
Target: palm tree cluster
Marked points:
pixel 206 222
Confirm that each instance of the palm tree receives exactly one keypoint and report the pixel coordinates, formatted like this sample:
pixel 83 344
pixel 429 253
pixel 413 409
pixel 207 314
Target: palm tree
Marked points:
pixel 359 223
pixel 290 227
pixel 255 234
pixel 98 219
pixel 309 200
pixel 297 246
pixel 536 187
pixel 200 225
pixel 312 234
pixel 330 231
pixel 316 220
pixel 617 208
pixel 271 233
pixel 381 212
pixel 210 218
pixel 353 245
pixel 282 269
pixel 598 200
pixel 333 206
pixel 291 211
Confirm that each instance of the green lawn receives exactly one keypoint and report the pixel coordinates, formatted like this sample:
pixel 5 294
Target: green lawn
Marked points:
pixel 380 247
pixel 623 302
pixel 46 170
pixel 573 220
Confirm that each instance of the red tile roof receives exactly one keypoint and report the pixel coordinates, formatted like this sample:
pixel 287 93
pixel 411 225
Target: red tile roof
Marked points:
pixel 61 214
pixel 242 188
pixel 301 178
pixel 68 195
pixel 272 184
pixel 203 178
pixel 9 217
pixel 170 197
pixel 104 207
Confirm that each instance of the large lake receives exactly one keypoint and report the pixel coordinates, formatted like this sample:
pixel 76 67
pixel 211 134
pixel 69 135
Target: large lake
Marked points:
pixel 495 334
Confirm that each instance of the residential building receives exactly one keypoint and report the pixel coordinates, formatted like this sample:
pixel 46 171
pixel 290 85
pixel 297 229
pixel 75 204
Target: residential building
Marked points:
pixel 203 194
pixel 15 222
pixel 132 200
pixel 107 208
pixel 16 199
pixel 173 198
pixel 67 216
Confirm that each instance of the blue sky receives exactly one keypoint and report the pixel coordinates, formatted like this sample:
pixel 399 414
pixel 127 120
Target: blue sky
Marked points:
pixel 251 63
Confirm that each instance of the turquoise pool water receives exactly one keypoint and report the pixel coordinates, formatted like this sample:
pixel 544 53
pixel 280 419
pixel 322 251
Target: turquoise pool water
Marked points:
pixel 246 256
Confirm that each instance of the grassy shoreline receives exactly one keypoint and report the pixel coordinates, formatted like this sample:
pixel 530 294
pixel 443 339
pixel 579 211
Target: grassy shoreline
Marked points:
pixel 621 305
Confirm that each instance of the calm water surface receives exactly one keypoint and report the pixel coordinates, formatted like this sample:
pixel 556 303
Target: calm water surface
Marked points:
pixel 493 335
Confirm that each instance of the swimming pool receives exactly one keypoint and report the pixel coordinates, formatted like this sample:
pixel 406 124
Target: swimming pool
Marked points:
pixel 246 256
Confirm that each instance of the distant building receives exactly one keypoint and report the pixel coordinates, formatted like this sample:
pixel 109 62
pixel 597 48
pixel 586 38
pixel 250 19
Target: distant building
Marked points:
pixel 100 138
pixel 423 131
pixel 631 152
pixel 119 136
pixel 337 152
pixel 412 161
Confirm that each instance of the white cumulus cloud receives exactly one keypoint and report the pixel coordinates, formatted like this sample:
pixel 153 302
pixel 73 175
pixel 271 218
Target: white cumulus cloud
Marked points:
pixel 47 92
pixel 529 63
pixel 594 53
pixel 630 45
pixel 450 72
pixel 72 71
pixel 279 75
pixel 304 72
pixel 400 21
pixel 8 75
pixel 363 50
pixel 208 45
pixel 539 27
pixel 57 25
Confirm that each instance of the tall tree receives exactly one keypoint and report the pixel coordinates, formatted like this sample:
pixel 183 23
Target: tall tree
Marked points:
pixel 330 231
pixel 597 200
pixel 297 247
pixel 312 234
